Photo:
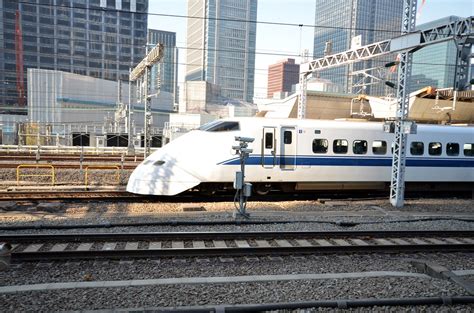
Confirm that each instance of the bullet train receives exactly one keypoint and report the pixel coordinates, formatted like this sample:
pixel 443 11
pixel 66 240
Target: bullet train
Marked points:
pixel 303 155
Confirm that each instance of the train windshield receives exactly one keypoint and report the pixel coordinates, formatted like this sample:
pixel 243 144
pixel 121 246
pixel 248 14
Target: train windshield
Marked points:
pixel 220 126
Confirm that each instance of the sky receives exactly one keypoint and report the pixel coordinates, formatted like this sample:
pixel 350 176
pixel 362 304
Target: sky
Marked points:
pixel 279 42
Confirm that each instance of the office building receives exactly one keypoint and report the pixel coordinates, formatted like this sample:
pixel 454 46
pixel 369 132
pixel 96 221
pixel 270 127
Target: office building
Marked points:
pixel 282 76
pixel 434 65
pixel 168 67
pixel 98 38
pixel 339 21
pixel 220 48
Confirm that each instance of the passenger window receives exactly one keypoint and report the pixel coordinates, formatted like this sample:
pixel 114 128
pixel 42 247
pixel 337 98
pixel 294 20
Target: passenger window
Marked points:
pixel 320 146
pixel 359 147
pixel 340 146
pixel 452 149
pixel 469 149
pixel 287 137
pixel 435 148
pixel 379 147
pixel 268 140
pixel 417 148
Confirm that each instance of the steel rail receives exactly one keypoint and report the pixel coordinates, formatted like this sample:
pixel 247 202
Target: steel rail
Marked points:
pixel 233 251
pixel 54 246
pixel 169 236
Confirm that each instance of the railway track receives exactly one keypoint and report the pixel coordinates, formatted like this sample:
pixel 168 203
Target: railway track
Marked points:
pixel 55 195
pixel 34 247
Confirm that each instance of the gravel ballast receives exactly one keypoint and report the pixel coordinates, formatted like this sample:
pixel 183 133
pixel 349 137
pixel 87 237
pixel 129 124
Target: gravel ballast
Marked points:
pixel 218 294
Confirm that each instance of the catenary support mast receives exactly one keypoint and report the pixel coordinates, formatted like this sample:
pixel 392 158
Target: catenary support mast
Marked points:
pixel 397 186
pixel 143 69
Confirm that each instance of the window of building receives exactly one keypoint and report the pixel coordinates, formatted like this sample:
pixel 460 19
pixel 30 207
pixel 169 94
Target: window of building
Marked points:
pixel 268 140
pixel 417 148
pixel 469 149
pixel 47 50
pixel 452 149
pixel 320 146
pixel 219 126
pixel 287 137
pixel 435 148
pixel 340 146
pixel 359 147
pixel 379 147
pixel 28 18
pixel 46 20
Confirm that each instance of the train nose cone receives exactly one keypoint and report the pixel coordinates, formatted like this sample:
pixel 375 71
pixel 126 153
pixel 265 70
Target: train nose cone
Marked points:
pixel 161 180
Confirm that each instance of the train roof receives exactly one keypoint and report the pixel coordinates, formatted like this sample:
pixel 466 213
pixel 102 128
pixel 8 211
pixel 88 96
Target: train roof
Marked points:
pixel 349 123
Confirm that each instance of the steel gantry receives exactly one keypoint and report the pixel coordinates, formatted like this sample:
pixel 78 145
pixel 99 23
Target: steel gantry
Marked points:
pixel 461 31
pixel 142 72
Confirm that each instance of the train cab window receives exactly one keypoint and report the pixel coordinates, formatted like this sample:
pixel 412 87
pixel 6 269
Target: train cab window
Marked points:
pixel 320 146
pixel 379 147
pixel 268 140
pixel 417 148
pixel 469 149
pixel 435 148
pixel 220 126
pixel 359 147
pixel 340 146
pixel 287 137
pixel 452 149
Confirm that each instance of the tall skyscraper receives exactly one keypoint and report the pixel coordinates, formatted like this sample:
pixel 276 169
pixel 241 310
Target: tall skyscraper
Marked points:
pixel 168 68
pixel 434 65
pixel 221 36
pixel 98 38
pixel 281 76
pixel 338 21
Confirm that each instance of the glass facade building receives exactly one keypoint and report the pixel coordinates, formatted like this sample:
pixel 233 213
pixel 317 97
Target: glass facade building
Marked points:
pixel 168 68
pixel 434 65
pixel 338 21
pixel 98 38
pixel 220 48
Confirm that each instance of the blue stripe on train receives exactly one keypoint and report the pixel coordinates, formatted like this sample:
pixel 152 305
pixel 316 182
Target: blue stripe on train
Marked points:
pixel 351 161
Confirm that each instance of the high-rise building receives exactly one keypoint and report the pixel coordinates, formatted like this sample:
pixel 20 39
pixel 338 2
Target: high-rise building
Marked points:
pixel 339 21
pixel 434 65
pixel 168 67
pixel 281 76
pixel 98 38
pixel 220 45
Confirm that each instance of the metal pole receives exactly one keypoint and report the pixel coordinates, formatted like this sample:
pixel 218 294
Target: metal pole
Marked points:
pixel 397 188
pixel 147 105
pixel 131 148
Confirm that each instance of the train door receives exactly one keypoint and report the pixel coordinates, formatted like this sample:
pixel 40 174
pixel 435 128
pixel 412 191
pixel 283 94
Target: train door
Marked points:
pixel 268 147
pixel 288 148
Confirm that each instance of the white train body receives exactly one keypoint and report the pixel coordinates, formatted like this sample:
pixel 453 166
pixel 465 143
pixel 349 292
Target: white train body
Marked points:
pixel 296 154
